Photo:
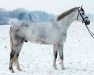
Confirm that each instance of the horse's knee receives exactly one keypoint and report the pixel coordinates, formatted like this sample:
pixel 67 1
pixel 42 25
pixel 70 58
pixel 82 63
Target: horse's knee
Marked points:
pixel 55 55
pixel 55 51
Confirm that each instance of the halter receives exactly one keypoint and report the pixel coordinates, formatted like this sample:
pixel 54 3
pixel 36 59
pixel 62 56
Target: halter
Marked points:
pixel 81 16
pixel 91 33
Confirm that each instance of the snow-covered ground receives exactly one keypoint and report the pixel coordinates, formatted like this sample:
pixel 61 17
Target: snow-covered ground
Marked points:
pixel 37 59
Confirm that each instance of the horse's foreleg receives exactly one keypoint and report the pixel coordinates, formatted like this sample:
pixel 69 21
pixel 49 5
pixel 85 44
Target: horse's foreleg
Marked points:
pixel 61 56
pixel 55 53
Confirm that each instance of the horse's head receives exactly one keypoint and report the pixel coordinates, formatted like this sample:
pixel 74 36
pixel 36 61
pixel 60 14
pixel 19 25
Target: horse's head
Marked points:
pixel 82 16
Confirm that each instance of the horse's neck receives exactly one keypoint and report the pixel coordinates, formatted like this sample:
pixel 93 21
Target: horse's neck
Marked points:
pixel 66 21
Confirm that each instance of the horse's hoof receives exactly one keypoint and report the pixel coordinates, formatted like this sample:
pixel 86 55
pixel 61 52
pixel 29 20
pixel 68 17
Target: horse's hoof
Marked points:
pixel 63 68
pixel 12 71
pixel 20 69
pixel 55 67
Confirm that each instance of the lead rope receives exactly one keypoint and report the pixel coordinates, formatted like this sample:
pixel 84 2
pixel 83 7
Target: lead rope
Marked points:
pixel 92 34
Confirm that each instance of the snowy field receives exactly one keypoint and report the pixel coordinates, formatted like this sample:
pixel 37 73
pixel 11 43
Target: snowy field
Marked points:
pixel 37 59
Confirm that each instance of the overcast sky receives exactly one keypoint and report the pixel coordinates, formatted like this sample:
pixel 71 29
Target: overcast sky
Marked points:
pixel 50 6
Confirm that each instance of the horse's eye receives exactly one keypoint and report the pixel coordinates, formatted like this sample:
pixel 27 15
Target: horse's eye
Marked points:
pixel 83 13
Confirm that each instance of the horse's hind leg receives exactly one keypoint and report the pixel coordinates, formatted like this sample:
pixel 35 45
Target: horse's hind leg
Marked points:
pixel 61 56
pixel 16 61
pixel 16 45
pixel 55 53
pixel 14 57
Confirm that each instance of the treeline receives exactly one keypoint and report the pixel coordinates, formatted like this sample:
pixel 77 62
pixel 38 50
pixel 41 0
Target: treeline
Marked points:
pixel 22 14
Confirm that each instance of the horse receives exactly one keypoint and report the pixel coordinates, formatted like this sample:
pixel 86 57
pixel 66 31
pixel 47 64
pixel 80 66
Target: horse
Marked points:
pixel 53 32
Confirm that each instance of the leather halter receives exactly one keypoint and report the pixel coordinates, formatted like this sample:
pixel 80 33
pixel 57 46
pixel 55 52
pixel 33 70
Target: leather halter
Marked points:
pixel 81 16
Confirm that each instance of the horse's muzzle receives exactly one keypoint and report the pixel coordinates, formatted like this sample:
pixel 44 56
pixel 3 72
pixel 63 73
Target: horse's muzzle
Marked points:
pixel 87 22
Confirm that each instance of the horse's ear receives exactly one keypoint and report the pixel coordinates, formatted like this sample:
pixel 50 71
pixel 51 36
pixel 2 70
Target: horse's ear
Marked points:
pixel 81 7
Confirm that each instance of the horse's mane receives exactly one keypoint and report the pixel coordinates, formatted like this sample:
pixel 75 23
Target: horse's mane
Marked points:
pixel 66 13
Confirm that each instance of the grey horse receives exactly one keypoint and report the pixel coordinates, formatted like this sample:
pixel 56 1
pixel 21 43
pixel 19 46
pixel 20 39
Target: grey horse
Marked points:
pixel 53 32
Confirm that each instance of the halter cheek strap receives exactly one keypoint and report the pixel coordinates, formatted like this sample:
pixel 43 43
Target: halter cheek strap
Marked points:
pixel 81 16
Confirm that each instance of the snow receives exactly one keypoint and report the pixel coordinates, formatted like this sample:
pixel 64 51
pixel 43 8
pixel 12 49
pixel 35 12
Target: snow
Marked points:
pixel 37 59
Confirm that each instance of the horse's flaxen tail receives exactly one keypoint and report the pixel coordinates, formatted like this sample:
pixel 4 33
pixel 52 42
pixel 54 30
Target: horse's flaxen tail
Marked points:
pixel 11 41
pixel 11 47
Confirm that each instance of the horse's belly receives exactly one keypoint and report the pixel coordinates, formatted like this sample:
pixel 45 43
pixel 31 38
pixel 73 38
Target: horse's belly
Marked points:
pixel 38 40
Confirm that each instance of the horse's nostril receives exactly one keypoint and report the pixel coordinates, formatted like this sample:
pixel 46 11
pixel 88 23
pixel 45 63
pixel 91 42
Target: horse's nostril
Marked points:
pixel 88 22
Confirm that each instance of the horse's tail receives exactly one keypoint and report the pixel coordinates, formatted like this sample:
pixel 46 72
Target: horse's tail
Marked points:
pixel 11 41
pixel 11 47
